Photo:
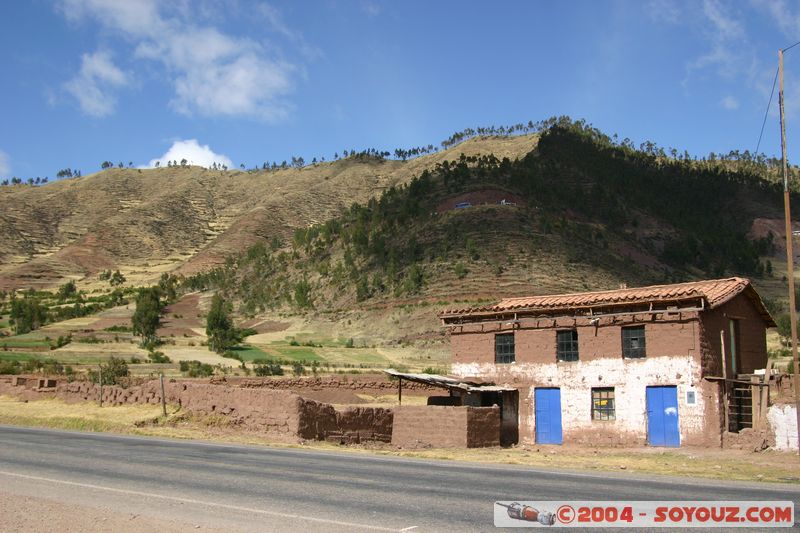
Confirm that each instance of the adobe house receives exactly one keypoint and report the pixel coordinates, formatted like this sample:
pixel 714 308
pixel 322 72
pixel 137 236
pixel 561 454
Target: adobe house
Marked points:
pixel 632 366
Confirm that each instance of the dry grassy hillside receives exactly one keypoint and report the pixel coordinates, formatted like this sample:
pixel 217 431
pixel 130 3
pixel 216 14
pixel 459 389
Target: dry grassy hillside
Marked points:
pixel 185 219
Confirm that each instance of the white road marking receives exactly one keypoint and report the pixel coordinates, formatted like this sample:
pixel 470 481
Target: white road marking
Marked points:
pixel 201 502
pixel 409 528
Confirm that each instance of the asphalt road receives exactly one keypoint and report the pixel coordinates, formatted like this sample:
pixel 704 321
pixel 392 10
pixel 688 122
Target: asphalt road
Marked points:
pixel 248 488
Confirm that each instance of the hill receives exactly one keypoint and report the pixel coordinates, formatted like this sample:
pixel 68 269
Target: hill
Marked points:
pixel 185 219
pixel 577 212
pixel 346 263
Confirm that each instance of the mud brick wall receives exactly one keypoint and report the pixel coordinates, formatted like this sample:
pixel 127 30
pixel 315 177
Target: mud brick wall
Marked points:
pixel 322 421
pixel 279 413
pixel 483 427
pixel 446 426
pixel 366 423
pixel 319 383
pixel 751 344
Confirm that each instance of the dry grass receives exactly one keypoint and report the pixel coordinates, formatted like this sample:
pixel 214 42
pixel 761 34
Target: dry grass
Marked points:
pixel 145 420
pixel 79 416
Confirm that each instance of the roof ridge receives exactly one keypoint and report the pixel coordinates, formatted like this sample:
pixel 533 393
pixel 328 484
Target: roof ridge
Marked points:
pixel 736 279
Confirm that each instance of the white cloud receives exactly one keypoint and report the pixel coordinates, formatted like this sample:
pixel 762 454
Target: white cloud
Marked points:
pixel 212 73
pixel 724 25
pixel 5 165
pixel 93 84
pixel 136 18
pixel 194 153
pixel 726 36
pixel 730 103
pixel 779 10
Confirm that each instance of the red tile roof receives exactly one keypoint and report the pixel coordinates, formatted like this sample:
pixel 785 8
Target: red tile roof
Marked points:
pixel 714 292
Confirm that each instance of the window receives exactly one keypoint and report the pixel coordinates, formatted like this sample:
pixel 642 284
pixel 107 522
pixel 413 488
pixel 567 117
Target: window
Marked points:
pixel 504 348
pixel 733 327
pixel 567 345
pixel 603 403
pixel 691 397
pixel 633 345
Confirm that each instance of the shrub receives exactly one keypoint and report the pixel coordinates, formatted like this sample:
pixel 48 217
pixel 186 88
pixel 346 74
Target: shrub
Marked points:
pixel 246 332
pixel 298 369
pixel 228 354
pixel 158 357
pixel 196 369
pixel 112 372
pixel 61 341
pixel 10 367
pixel 268 369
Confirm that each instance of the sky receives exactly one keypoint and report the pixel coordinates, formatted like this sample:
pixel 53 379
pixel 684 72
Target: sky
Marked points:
pixel 246 82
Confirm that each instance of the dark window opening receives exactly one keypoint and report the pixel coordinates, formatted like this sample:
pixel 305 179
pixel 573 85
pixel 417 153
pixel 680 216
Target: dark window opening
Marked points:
pixel 633 343
pixel 603 403
pixel 567 345
pixel 504 348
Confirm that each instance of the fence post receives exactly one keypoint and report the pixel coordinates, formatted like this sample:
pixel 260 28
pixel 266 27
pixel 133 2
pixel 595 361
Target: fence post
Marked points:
pixel 101 385
pixel 163 397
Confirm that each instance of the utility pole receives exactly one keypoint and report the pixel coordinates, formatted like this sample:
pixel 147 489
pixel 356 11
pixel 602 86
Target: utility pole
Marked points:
pixel 789 250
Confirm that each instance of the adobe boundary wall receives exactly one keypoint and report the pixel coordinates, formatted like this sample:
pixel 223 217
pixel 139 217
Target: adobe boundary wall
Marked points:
pixel 281 414
pixel 446 426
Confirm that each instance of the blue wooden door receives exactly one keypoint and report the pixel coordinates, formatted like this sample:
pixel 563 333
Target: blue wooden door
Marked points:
pixel 662 417
pixel 548 416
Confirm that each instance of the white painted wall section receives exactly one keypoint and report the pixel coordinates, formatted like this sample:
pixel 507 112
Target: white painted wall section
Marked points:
pixel 783 419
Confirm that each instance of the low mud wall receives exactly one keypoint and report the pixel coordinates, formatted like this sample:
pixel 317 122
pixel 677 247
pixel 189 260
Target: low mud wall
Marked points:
pixel 446 426
pixel 369 382
pixel 352 425
pixel 281 414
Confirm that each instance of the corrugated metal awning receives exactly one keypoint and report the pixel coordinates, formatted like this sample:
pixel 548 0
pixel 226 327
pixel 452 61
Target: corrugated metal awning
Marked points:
pixel 448 382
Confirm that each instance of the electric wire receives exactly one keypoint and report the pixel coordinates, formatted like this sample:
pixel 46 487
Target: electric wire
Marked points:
pixel 764 123
pixel 790 47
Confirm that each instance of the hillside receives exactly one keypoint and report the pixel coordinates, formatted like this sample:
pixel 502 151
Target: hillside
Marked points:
pixel 346 264
pixel 185 219
pixel 576 213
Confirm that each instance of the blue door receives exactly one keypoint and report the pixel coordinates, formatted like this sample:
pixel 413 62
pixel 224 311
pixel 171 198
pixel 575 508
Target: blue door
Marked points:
pixel 662 417
pixel 548 416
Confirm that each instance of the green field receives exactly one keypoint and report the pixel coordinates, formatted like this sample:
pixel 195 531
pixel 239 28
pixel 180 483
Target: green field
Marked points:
pixel 17 342
pixel 11 356
pixel 298 353
pixel 249 353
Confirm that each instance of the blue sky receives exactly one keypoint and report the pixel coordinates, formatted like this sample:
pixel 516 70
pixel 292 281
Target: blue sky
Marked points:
pixel 132 80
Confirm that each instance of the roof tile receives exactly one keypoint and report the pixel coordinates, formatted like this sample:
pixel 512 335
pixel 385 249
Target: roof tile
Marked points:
pixel 716 292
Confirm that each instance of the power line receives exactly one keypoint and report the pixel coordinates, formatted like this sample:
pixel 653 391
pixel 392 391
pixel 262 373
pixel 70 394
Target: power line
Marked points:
pixel 790 47
pixel 766 113
pixel 764 123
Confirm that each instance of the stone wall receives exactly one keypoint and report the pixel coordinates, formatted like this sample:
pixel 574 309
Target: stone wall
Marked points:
pixel 446 426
